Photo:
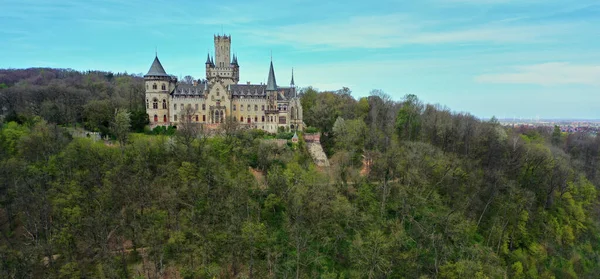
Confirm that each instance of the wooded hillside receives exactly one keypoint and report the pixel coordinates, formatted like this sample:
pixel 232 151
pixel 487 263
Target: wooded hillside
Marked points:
pixel 414 191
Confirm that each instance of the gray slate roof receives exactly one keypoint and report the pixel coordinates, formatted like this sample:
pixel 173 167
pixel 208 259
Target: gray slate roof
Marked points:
pixel 271 82
pixel 184 89
pixel 157 69
pixel 248 90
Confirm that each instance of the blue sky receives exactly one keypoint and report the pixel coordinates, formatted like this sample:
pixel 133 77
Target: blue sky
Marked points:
pixel 521 58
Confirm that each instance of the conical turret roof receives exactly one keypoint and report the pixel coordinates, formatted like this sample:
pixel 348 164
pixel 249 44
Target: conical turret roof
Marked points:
pixel 271 82
pixel 208 59
pixel 292 82
pixel 157 69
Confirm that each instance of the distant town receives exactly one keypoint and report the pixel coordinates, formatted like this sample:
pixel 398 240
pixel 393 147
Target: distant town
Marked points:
pixel 591 126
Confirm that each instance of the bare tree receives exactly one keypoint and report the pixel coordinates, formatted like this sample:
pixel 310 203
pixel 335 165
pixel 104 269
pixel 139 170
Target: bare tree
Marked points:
pixel 230 128
pixel 187 130
pixel 188 79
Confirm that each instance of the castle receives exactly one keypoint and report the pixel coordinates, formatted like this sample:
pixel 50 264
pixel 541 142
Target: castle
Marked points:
pixel 210 101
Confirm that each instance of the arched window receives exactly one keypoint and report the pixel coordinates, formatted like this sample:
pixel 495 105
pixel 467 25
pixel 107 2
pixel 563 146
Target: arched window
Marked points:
pixel 263 107
pixel 154 86
pixel 248 107
pixel 164 118
pixel 164 104
pixel 155 118
pixel 233 107
pixel 175 117
pixel 175 106
pixel 155 103
pixel 196 106
pixel 241 107
pixel 293 113
pixel 263 118
pixel 255 107
pixel 249 119
pixel 147 104
pixel 196 118
pixel 241 119
pixel 255 118
pixel 163 87
pixel 217 92
pixel 203 106
pixel 204 118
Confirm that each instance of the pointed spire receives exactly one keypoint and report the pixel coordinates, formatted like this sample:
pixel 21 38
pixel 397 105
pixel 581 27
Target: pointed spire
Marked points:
pixel 292 82
pixel 212 62
pixel 271 82
pixel 156 69
pixel 208 59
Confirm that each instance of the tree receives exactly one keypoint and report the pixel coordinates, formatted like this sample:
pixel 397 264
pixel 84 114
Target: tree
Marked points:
pixel 187 130
pixel 408 120
pixel 121 125
pixel 188 80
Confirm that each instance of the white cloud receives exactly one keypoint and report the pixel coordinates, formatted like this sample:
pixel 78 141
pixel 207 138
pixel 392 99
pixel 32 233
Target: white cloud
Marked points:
pixel 395 30
pixel 547 74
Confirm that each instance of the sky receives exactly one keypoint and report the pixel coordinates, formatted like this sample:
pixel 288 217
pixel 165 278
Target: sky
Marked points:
pixel 503 58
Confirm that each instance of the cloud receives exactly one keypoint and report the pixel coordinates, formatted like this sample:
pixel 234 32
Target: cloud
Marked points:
pixel 394 30
pixel 547 74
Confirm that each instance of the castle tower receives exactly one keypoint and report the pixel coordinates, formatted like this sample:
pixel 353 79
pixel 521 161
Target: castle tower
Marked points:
pixel 223 69
pixel 272 90
pixel 222 51
pixel 158 87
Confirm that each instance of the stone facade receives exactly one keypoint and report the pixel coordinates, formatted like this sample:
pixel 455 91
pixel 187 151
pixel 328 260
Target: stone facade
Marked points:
pixel 210 101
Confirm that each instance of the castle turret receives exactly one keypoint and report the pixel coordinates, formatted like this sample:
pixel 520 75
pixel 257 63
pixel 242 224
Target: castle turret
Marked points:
pixel 158 86
pixel 271 82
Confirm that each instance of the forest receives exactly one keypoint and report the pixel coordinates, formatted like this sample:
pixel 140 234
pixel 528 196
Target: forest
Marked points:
pixel 414 190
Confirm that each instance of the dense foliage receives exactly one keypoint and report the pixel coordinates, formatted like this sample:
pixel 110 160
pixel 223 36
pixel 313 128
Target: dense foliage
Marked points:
pixel 414 191
pixel 68 97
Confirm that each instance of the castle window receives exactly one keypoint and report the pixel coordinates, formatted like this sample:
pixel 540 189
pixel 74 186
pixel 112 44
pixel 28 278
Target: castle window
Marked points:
pixel 164 118
pixel 203 106
pixel 248 107
pixel 196 106
pixel 217 92
pixel 196 118
pixel 175 106
pixel 263 107
pixel 155 118
pixel 164 104
pixel 164 87
pixel 233 107
pixel 147 105
pixel 241 119
pixel 154 86
pixel 175 117
pixel 255 118
pixel 182 107
pixel 282 120
pixel 249 119
pixel 203 118
pixel 255 107
pixel 155 103
pixel 241 107
pixel 263 118
pixel 146 86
